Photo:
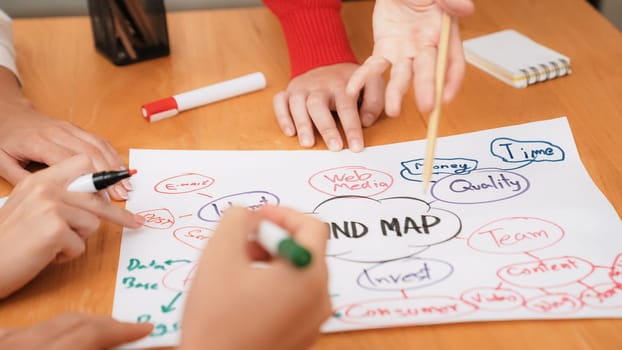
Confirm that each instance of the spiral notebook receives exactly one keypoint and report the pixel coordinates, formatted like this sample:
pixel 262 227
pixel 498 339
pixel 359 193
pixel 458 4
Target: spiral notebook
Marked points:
pixel 515 59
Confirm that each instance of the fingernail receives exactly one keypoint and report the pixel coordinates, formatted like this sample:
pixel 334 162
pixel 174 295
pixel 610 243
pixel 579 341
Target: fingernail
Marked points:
pixel 368 119
pixel 121 191
pixel 356 145
pixel 139 219
pixel 305 140
pixel 106 196
pixel 334 145
pixel 126 183
pixel 288 130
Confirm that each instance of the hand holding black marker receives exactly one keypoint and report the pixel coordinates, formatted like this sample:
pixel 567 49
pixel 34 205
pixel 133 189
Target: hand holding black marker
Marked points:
pixel 277 242
pixel 93 182
pixel 99 181
pixel 67 218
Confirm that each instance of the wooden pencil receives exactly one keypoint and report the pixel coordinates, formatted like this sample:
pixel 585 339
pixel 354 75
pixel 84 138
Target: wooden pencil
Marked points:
pixel 142 21
pixel 122 31
pixel 435 116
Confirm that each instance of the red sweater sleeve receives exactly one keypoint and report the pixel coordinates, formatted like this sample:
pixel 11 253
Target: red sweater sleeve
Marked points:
pixel 314 33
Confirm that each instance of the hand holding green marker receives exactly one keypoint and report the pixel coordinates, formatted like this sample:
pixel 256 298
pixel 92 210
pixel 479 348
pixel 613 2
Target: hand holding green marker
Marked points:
pixel 277 242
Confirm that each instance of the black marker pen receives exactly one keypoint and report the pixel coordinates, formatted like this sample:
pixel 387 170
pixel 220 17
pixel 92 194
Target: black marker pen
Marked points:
pixel 98 181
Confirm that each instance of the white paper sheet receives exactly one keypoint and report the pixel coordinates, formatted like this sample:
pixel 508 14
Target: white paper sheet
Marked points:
pixel 513 228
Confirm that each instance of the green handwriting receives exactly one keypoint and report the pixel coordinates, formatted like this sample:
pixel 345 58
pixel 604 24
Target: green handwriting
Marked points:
pixel 136 264
pixel 131 283
pixel 159 329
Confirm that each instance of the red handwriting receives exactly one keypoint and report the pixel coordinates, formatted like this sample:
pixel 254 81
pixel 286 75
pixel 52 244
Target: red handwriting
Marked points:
pixel 420 310
pixel 183 183
pixel 616 270
pixel 559 303
pixel 180 278
pixel 493 299
pixel 351 180
pixel 193 236
pixel 515 235
pixel 606 295
pixel 552 272
pixel 160 219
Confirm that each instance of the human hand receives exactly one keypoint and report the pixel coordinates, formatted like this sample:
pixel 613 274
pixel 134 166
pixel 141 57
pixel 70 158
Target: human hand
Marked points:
pixel 274 307
pixel 74 331
pixel 310 98
pixel 406 36
pixel 29 136
pixel 42 222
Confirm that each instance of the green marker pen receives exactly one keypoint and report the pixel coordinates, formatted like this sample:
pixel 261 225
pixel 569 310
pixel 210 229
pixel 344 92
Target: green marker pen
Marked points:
pixel 277 242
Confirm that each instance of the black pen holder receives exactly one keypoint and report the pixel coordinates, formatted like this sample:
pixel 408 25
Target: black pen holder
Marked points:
pixel 129 31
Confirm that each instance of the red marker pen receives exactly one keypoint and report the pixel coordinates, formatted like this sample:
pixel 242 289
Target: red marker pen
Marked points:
pixel 171 106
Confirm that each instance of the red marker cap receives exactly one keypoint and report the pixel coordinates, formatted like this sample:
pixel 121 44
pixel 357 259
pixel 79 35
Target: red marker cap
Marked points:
pixel 164 108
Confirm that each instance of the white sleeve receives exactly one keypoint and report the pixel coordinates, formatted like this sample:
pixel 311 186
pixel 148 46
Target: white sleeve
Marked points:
pixel 7 51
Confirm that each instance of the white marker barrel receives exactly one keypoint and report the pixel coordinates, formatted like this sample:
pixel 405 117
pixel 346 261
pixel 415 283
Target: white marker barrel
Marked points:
pixel 270 235
pixel 220 91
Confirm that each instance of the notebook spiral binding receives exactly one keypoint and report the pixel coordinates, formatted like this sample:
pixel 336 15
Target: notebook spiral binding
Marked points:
pixel 543 72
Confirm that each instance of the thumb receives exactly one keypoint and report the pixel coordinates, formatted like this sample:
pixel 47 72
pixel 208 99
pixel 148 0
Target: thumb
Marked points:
pixel 230 240
pixel 457 8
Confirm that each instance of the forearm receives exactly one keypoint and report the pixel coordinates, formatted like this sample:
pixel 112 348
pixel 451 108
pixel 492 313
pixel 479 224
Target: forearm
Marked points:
pixel 314 32
pixel 11 95
pixel 10 91
pixel 7 51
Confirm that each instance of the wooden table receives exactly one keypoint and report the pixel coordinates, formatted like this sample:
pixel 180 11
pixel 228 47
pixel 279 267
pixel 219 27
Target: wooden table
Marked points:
pixel 65 77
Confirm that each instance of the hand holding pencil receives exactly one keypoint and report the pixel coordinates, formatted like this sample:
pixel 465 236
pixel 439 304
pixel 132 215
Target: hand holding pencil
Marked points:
pixel 406 37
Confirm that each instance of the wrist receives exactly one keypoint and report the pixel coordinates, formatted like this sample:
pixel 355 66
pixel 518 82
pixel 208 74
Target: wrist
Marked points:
pixel 11 92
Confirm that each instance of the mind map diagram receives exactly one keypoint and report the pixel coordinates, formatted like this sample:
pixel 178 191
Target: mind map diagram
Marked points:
pixel 398 257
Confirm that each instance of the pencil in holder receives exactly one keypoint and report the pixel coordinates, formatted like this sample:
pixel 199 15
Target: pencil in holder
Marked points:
pixel 129 31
